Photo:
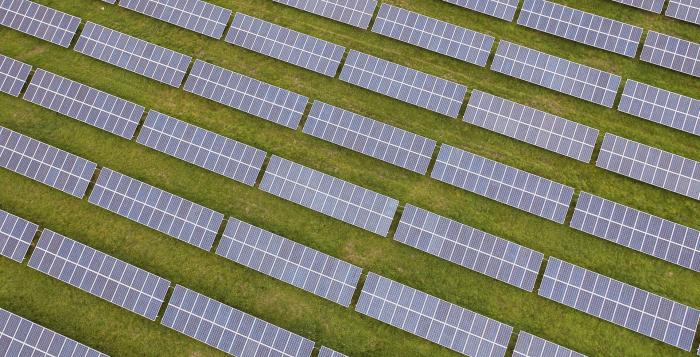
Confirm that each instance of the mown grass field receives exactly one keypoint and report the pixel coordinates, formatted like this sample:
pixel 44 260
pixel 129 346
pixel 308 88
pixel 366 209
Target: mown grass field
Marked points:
pixel 120 333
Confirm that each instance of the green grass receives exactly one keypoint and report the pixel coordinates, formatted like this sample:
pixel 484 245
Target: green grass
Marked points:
pixel 120 333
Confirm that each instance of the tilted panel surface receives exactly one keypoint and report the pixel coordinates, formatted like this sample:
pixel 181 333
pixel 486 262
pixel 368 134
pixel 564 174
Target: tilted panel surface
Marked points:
pixel 39 21
pixel 13 75
pixel 357 13
pixel 502 9
pixel 16 235
pixel 195 15
pixel 672 53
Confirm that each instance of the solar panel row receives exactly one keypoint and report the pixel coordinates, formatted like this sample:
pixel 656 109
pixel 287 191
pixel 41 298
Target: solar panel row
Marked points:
pixel 291 262
pixel 133 54
pixel 284 44
pixel 39 21
pixel 327 352
pixel 505 184
pixel 622 304
pixel 370 137
pixel 469 247
pixel 13 75
pixel 431 318
pixel 556 73
pixel 530 125
pixel 638 230
pixel 21 337
pixel 16 236
pixel 357 13
pixel 580 26
pixel 651 165
pixel 246 94
pixel 44 163
pixel 649 5
pixel 661 106
pixel 228 329
pixel 672 52
pixel 529 345
pixel 157 209
pixel 434 35
pixel 99 274
pixel 216 153
pixel 403 83
pixel 686 10
pixel 83 103
pixel 329 195
pixel 195 15
pixel 502 9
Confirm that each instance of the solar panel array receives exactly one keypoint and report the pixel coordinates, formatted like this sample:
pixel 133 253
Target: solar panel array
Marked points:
pixel 357 13
pixel 83 103
pixel 686 10
pixel 329 195
pixel 502 9
pixel 622 304
pixel 228 329
pixel 157 209
pixel 649 5
pixel 651 165
pixel 44 163
pixel 638 230
pixel 99 274
pixel 431 318
pixel 284 44
pixel 13 75
pixel 432 34
pixel 505 184
pixel 246 94
pixel 672 52
pixel 403 83
pixel 133 54
pixel 216 153
pixel 21 337
pixel 530 125
pixel 469 247
pixel 661 106
pixel 582 27
pixel 556 73
pixel 195 15
pixel 291 262
pixel 327 352
pixel 16 235
pixel 370 137
pixel 39 21
pixel 529 345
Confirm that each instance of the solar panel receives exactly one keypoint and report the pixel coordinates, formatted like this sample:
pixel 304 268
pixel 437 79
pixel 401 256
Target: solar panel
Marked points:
pixel 246 94
pixel 403 83
pixel 370 137
pixel 432 34
pixel 99 274
pixel 505 184
pixel 228 329
pixel 661 106
pixel 110 1
pixel 530 125
pixel 649 5
pixel 133 54
pixel 502 9
pixel 357 13
pixel 83 103
pixel 650 165
pixel 622 304
pixel 434 319
pixel 686 10
pixel 157 209
pixel 327 352
pixel 39 21
pixel 195 15
pixel 529 345
pixel 556 73
pixel 44 163
pixel 672 52
pixel 13 75
pixel 291 262
pixel 638 230
pixel 284 44
pixel 329 195
pixel 21 337
pixel 216 153
pixel 582 27
pixel 469 247
pixel 16 235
